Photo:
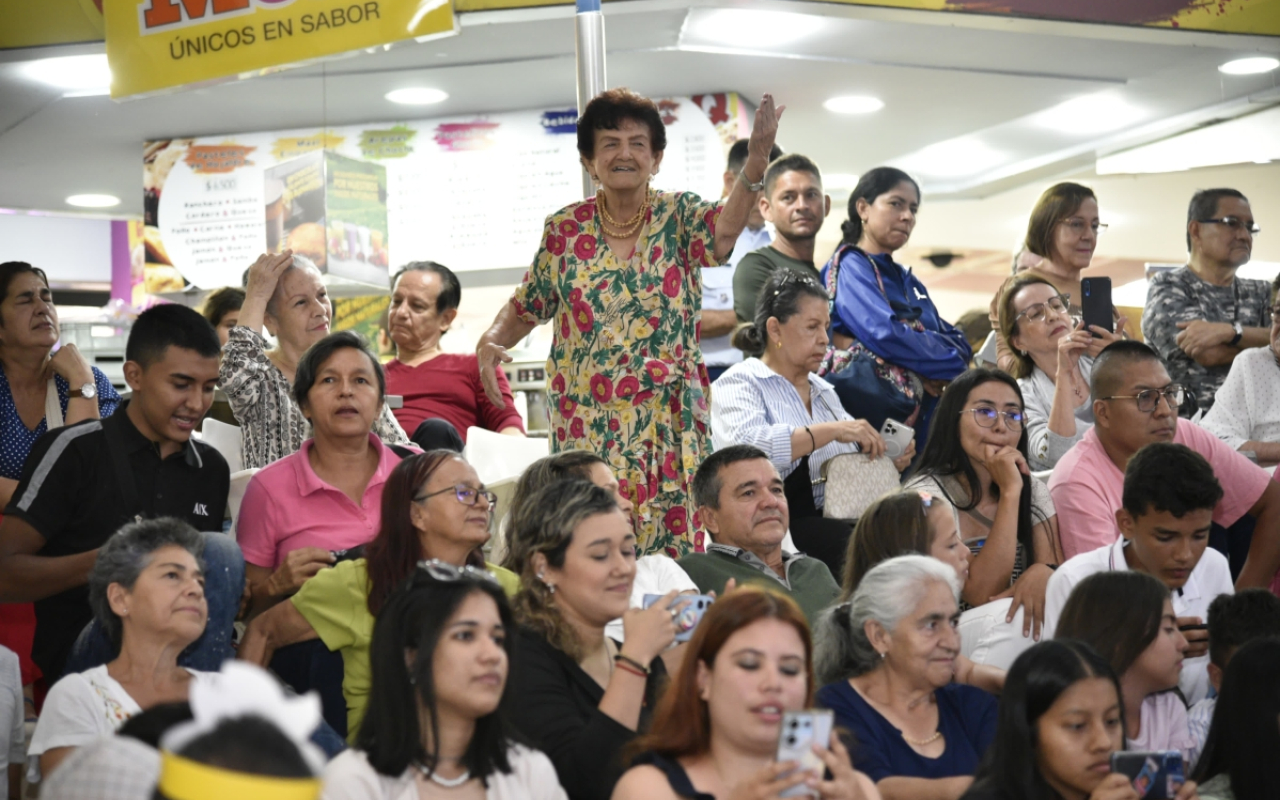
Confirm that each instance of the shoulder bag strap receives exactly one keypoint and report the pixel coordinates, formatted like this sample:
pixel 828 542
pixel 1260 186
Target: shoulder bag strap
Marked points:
pixel 52 406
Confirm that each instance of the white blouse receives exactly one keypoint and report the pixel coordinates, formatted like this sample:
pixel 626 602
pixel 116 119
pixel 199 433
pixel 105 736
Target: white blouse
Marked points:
pixel 1247 407
pixel 532 777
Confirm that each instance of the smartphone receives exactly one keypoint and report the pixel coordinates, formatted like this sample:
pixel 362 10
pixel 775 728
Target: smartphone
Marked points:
pixel 800 731
pixel 695 606
pixel 1156 775
pixel 897 437
pixel 1097 303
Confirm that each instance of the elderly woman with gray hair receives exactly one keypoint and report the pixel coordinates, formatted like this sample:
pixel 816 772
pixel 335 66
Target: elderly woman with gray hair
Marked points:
pixel 147 592
pixel 286 294
pixel 888 657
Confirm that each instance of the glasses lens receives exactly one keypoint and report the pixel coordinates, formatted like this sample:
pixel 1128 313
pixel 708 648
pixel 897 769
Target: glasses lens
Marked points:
pixel 1175 395
pixel 1014 418
pixel 466 495
pixel 1057 305
pixel 986 417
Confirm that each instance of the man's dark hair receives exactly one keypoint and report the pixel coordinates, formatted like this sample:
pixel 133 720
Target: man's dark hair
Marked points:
pixel 221 303
pixel 1112 363
pixel 312 360
pixel 450 289
pixel 707 483
pixel 252 745
pixel 738 155
pixel 1164 476
pixel 170 325
pixel 608 110
pixel 792 162
pixel 1235 619
pixel 1204 205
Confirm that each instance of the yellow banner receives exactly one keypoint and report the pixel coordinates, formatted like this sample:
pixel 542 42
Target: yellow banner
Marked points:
pixel 154 45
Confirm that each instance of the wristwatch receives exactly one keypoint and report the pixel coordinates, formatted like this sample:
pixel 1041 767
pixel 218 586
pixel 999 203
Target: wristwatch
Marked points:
pixel 88 391
pixel 1239 329
pixel 755 187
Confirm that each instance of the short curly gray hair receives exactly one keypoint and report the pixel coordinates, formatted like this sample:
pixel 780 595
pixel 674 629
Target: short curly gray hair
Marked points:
pixel 887 593
pixel 126 554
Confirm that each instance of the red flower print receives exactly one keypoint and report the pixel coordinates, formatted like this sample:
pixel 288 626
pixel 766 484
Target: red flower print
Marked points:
pixel 566 407
pixel 560 433
pixel 564 326
pixel 609 444
pixel 584 212
pixel 555 244
pixel 669 467
pixel 575 428
pixel 602 285
pixel 677 521
pixel 699 538
pixel 601 388
pixel 697 250
pixel 711 217
pixel 614 426
pixel 671 281
pixel 627 387
pixel 557 383
pixel 648 287
pixel 624 358
pixel 642 494
pixel 653 322
pixel 584 247
pixel 642 398
pixel 575 294
pixel 656 370
pixel 673 553
pixel 679 350
pixel 568 228
pixel 582 316
pixel 656 255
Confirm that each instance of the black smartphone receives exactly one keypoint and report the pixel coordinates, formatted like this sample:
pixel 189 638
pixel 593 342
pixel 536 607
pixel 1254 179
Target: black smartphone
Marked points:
pixel 1097 304
pixel 1155 775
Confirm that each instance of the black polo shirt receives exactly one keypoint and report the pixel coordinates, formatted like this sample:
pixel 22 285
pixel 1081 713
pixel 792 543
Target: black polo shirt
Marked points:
pixel 71 494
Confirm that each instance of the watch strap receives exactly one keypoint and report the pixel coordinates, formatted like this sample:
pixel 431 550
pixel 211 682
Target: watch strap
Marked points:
pixel 1239 329
pixel 755 187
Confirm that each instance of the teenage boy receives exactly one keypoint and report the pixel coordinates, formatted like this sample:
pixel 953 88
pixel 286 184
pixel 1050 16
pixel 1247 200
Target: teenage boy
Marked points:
pixel 1234 621
pixel 1169 495
pixel 82 482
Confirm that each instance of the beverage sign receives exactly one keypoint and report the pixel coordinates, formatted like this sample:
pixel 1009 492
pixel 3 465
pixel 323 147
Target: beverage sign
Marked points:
pixel 156 45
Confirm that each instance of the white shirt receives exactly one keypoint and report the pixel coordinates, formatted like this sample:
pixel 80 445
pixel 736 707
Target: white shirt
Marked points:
pixel 12 713
pixel 1247 407
pixel 717 295
pixel 752 404
pixel 349 777
pixel 656 574
pixel 1210 578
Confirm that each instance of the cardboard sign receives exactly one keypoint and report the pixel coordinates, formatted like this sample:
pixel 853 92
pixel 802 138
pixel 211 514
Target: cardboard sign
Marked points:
pixel 157 45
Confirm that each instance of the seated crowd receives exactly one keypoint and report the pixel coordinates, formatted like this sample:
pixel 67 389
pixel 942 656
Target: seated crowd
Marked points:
pixel 978 631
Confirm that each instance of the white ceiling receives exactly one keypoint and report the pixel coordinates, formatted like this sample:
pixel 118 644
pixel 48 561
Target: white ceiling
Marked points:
pixel 941 76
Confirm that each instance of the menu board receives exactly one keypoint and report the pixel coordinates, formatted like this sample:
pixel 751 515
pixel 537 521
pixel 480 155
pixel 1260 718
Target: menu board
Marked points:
pixel 469 192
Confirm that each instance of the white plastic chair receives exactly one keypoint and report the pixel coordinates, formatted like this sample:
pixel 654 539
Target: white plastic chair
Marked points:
pixel 226 440
pixel 497 457
pixel 239 482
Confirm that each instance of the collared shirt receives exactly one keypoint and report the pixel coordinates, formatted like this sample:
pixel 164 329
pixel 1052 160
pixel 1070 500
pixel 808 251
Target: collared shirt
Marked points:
pixel 717 295
pixel 1209 578
pixel 754 405
pixel 287 507
pixel 748 557
pixel 70 493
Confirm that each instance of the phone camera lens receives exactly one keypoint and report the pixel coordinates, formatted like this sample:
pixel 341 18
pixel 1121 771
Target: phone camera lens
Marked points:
pixel 791 741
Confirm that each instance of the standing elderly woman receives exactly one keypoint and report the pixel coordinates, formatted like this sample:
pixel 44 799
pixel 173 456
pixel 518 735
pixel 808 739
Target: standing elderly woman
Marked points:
pixel 888 657
pixel 328 495
pixel 285 292
pixel 147 592
pixel 880 307
pixel 1051 362
pixel 621 273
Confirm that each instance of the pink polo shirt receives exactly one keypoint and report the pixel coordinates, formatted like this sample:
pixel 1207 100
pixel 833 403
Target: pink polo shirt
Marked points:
pixel 1088 488
pixel 286 507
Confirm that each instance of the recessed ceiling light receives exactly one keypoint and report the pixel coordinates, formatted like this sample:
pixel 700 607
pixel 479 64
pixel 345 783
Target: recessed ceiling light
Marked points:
pixel 737 27
pixel 854 104
pixel 1249 66
pixel 954 158
pixel 93 200
pixel 417 96
pixel 71 72
pixel 1092 113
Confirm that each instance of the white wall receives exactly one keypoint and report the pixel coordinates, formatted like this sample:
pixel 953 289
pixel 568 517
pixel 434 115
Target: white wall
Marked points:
pixel 68 249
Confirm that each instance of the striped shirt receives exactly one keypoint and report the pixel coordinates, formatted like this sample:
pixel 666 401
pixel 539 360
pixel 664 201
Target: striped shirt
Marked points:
pixel 752 404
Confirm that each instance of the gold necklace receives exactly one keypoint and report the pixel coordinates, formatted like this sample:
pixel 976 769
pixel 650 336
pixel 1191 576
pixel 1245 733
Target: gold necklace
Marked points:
pixel 921 742
pixel 616 229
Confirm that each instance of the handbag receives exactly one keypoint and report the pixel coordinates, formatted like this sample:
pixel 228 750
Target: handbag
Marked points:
pixel 854 481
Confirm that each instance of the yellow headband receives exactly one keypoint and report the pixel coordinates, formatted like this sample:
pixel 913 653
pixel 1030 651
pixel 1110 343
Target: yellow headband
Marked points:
pixel 184 779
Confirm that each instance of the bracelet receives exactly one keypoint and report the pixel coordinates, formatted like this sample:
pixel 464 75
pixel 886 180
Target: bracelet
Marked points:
pixel 631 669
pixel 812 441
pixel 630 664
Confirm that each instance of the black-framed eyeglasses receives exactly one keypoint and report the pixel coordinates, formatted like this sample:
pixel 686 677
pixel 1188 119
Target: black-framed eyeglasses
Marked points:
pixel 1079 226
pixel 1036 312
pixel 985 416
pixel 465 494
pixel 1147 398
pixel 1236 224
pixel 450 573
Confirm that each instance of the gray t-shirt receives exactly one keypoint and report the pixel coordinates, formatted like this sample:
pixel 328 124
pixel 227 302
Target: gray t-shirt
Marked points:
pixel 1182 296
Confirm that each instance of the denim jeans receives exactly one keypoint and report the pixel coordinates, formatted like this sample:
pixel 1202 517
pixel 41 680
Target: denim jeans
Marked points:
pixel 223 586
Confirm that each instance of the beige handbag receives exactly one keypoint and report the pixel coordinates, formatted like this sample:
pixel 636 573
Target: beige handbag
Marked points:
pixel 854 481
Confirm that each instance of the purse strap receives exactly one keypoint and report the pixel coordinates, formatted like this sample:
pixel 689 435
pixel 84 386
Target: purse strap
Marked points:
pixel 52 406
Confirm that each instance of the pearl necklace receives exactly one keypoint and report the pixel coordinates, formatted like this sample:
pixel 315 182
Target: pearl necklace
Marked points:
pixel 448 783
pixel 921 742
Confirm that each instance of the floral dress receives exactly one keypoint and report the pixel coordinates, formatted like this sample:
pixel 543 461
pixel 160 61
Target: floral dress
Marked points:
pixel 625 375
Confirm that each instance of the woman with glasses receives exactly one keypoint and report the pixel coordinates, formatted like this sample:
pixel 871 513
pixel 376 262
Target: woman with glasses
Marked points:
pixel 1063 231
pixel 440 697
pixel 433 507
pixel 1051 362
pixel 976 458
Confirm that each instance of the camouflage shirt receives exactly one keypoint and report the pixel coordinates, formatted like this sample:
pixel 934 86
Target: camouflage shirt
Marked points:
pixel 1182 296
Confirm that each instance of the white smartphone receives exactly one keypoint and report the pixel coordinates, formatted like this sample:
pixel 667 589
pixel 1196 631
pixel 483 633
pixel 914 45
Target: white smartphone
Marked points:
pixel 800 731
pixel 897 437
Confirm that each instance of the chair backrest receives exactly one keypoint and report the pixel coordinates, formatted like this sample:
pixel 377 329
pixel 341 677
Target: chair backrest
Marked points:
pixel 226 440
pixel 239 482
pixel 498 457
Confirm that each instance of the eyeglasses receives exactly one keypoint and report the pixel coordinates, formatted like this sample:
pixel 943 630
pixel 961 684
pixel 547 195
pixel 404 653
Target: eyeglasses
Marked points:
pixel 1147 398
pixel 444 571
pixel 1079 226
pixel 986 417
pixel 465 494
pixel 1236 224
pixel 1035 313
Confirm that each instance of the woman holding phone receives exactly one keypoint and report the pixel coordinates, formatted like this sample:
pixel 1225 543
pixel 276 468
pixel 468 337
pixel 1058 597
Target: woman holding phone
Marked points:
pixel 717 729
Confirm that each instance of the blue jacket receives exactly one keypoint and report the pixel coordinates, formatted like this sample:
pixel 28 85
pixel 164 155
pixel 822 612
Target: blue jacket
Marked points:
pixel 862 311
